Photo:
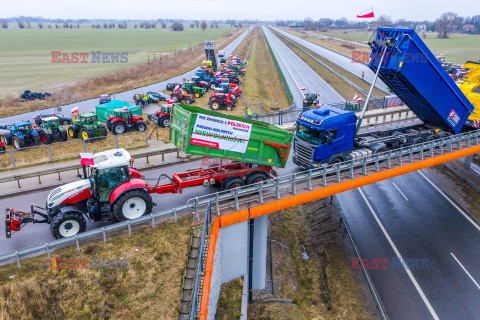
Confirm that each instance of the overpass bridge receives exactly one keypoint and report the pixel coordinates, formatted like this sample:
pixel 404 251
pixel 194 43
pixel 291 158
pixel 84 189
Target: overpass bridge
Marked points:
pixel 238 236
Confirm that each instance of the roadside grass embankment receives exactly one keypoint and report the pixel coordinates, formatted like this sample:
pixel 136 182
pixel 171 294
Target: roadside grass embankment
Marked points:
pixel 163 68
pixel 131 277
pixel 263 89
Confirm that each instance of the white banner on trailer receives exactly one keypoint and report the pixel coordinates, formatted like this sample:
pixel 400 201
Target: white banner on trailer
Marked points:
pixel 220 133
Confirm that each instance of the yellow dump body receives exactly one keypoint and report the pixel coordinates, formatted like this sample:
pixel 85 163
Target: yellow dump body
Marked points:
pixel 470 86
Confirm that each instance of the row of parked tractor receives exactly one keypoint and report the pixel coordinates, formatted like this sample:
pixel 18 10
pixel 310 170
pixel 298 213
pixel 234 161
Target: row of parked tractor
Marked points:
pixel 49 127
pixel 456 71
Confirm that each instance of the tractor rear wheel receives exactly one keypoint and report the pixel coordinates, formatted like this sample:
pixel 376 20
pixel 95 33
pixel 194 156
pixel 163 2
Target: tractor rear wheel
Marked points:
pixel 103 131
pixel 140 126
pixel 47 138
pixel 18 143
pixel 86 134
pixel 119 128
pixel 8 138
pixel 215 105
pixel 188 101
pixel 73 131
pixel 174 98
pixel 212 86
pixel 67 224
pixel 132 205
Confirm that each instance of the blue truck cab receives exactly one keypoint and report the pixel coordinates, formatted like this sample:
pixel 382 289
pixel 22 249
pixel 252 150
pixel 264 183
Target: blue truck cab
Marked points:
pixel 324 135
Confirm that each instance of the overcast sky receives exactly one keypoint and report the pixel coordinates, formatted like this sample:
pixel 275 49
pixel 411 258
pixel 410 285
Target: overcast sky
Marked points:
pixel 240 9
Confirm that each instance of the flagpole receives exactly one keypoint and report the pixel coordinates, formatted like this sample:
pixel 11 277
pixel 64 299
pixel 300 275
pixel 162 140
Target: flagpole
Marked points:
pixel 374 20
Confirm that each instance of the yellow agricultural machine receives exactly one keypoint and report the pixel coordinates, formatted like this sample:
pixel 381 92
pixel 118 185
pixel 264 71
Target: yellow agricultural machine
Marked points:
pixel 470 86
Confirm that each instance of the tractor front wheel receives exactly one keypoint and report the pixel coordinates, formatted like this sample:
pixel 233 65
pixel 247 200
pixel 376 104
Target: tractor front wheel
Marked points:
pixel 73 131
pixel 18 143
pixel 67 224
pixel 86 134
pixel 229 107
pixel 215 105
pixel 132 205
pixel 164 122
pixel 47 138
pixel 140 126
pixel 197 94
pixel 103 131
pixel 63 135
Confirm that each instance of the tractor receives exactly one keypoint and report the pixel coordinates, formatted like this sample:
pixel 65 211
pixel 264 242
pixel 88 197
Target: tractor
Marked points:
pixel 198 82
pixel 310 100
pixel 180 95
pixel 190 88
pixel 162 116
pixel 111 190
pixel 22 135
pixel 221 101
pixel 50 130
pixel 122 121
pixel 172 85
pixel 235 91
pixel 87 127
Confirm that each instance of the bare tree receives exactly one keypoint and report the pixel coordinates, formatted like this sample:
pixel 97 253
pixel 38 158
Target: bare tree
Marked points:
pixel 384 21
pixel 177 26
pixel 448 22
pixel 4 23
pixel 203 25
pixel 21 25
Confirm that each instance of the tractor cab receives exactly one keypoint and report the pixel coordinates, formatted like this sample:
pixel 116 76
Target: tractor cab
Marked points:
pixel 50 122
pixel 310 100
pixel 22 127
pixel 122 114
pixel 88 118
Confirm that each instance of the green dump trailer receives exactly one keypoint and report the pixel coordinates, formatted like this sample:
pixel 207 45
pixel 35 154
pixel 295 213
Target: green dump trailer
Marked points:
pixel 204 132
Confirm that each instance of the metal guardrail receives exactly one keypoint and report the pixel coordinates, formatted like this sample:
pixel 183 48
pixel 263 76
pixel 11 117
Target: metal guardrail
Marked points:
pixel 378 302
pixel 288 184
pixel 39 173
pixel 199 270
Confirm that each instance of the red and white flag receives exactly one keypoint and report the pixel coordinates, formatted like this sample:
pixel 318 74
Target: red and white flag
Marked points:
pixel 367 13
pixel 357 98
pixel 75 110
pixel 302 88
pixel 124 109
pixel 86 159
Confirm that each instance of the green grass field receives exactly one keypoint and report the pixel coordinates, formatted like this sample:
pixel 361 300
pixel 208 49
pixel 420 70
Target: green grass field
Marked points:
pixel 458 48
pixel 26 54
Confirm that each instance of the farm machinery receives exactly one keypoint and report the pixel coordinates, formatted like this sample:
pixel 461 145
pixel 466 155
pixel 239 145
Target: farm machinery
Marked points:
pixel 87 127
pixel 190 88
pixel 221 101
pixel 2 146
pixel 162 116
pixel 50 130
pixel 123 120
pixel 179 95
pixel 22 134
pixel 310 100
pixel 111 189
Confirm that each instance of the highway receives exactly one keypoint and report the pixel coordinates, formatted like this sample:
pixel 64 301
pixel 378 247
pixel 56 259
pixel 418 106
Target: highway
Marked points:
pixel 89 105
pixel 345 62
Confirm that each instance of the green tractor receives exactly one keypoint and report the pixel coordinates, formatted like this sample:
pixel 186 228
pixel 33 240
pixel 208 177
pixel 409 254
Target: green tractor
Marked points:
pixel 190 88
pixel 87 127
pixel 50 130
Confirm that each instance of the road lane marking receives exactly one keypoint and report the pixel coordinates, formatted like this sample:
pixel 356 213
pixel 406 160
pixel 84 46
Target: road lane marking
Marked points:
pixel 399 256
pixel 399 190
pixel 451 201
pixel 466 271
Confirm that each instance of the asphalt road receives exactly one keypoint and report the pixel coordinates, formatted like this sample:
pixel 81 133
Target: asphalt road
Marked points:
pixel 345 62
pixel 408 217
pixel 89 105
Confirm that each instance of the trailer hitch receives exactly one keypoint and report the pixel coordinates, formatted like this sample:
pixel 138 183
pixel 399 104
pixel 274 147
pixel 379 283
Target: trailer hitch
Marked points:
pixel 15 219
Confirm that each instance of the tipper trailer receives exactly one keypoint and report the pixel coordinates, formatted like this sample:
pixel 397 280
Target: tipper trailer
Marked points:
pixel 327 135
pixel 114 190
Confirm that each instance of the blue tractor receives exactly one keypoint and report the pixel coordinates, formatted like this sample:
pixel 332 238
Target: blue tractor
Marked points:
pixel 22 135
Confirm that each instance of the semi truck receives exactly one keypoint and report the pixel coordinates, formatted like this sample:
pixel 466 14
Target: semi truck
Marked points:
pixel 326 135
pixel 112 189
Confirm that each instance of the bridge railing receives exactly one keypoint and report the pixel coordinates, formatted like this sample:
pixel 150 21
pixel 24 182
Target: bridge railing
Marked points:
pixel 288 184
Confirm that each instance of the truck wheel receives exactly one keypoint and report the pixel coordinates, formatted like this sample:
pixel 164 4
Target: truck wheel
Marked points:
pixel 73 131
pixel 67 224
pixel 255 177
pixel 164 122
pixel 335 160
pixel 215 106
pixel 140 126
pixel 63 135
pixel 119 128
pixel 18 143
pixel 232 183
pixel 132 205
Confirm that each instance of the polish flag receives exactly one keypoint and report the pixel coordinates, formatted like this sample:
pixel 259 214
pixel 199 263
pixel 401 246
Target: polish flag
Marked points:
pixel 124 109
pixel 86 159
pixel 303 88
pixel 170 101
pixel 244 70
pixel 368 13
pixel 75 110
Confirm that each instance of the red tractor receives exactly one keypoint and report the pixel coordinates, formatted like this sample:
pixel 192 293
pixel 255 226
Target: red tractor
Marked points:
pixel 122 121
pixel 221 101
pixel 162 116
pixel 179 95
